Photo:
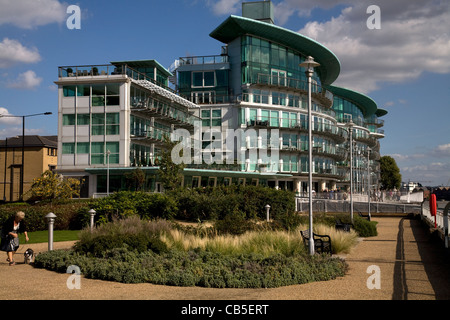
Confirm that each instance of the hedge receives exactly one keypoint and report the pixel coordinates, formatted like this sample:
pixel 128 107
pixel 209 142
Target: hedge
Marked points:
pixel 196 268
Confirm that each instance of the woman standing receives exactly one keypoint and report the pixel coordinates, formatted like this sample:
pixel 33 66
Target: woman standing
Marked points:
pixel 10 235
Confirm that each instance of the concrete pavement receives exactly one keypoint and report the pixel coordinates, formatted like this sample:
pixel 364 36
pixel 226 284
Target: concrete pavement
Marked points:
pixel 402 263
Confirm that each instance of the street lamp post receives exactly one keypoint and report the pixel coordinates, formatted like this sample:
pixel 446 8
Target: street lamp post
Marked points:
pixel 350 128
pixel 108 153
pixel 368 181
pixel 310 64
pixel 23 145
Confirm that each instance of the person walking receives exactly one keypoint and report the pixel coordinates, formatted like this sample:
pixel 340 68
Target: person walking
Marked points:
pixel 10 235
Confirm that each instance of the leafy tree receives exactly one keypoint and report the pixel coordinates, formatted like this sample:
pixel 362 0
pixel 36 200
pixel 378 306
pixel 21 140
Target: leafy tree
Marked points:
pixel 390 173
pixel 51 185
pixel 170 173
pixel 135 179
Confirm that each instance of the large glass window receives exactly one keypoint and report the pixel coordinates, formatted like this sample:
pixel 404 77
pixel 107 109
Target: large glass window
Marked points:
pixel 83 119
pixel 211 117
pixel 83 147
pixel 68 119
pixel 261 56
pixel 203 79
pixel 68 148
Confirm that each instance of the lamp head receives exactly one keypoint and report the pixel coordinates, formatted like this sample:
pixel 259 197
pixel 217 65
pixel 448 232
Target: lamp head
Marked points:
pixel 309 63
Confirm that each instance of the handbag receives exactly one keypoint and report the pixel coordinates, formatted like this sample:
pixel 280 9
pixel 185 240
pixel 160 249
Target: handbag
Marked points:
pixel 9 243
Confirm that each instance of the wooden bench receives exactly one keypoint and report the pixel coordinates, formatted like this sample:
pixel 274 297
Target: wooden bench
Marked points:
pixel 343 226
pixel 322 243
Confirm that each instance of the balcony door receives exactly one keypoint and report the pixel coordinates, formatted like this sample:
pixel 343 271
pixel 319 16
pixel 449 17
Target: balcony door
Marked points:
pixel 279 77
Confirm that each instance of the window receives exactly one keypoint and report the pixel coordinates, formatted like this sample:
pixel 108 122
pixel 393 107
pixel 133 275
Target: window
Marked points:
pixel 196 182
pixel 113 148
pixel 208 79
pixel 108 95
pixel 203 79
pixel 111 127
pixel 83 119
pixel 68 148
pixel 68 119
pixel 211 117
pixel 112 123
pixel 274 120
pixel 97 153
pixel 82 147
pixel 99 149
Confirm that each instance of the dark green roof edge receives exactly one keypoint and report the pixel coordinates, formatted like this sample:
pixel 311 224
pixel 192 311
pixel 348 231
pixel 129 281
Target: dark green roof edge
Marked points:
pixel 145 63
pixel 381 112
pixel 235 26
pixel 366 104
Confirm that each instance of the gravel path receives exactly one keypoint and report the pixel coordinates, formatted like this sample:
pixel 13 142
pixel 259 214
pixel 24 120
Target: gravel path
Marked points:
pixel 411 267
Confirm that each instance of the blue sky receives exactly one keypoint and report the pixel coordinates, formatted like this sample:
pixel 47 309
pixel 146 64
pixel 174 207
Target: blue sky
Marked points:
pixel 404 66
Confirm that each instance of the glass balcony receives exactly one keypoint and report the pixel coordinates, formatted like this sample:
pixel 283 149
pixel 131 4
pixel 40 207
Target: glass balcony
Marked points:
pixel 106 71
pixel 317 91
pixel 337 133
pixel 203 60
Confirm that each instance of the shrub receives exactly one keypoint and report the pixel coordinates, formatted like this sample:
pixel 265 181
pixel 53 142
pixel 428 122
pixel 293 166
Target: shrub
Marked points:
pixel 197 268
pixel 66 213
pixel 364 227
pixel 133 233
pixel 219 202
pixel 124 204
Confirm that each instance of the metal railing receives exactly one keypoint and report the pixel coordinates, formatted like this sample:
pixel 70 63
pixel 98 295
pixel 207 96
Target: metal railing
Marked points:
pixel 292 83
pixel 203 60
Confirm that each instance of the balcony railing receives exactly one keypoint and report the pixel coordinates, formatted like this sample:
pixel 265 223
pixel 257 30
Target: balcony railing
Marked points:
pixel 338 133
pixel 157 108
pixel 292 83
pixel 203 60
pixel 107 71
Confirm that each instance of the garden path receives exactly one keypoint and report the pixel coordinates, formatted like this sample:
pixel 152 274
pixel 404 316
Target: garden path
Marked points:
pixel 411 267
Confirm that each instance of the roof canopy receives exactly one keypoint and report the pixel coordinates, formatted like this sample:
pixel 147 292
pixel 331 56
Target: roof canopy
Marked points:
pixel 236 26
pixel 144 64
pixel 367 105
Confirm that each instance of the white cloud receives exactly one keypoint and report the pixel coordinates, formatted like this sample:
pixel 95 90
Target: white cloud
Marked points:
pixel 27 14
pixel 8 120
pixel 27 80
pixel 224 7
pixel 442 150
pixel 414 38
pixel 12 52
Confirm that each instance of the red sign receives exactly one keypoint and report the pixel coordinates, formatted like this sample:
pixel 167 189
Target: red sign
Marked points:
pixel 433 207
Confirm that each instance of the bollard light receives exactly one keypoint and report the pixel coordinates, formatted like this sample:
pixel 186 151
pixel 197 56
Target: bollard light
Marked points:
pixel 51 221
pixel 92 213
pixel 267 211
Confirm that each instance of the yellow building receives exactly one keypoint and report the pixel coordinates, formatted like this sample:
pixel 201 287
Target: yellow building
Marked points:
pixel 40 154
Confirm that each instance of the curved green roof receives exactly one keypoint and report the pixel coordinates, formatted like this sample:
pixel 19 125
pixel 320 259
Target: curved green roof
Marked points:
pixel 367 105
pixel 235 26
pixel 381 112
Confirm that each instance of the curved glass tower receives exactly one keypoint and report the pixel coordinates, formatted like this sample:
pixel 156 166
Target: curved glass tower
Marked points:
pixel 245 111
pixel 256 85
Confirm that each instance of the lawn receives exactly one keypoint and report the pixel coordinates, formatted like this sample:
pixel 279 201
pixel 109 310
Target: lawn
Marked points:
pixel 58 235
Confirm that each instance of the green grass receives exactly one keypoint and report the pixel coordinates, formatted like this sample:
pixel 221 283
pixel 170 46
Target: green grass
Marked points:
pixel 58 235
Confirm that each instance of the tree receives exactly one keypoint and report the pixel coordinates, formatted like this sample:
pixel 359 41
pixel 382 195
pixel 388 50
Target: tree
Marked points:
pixel 170 173
pixel 390 173
pixel 51 185
pixel 135 179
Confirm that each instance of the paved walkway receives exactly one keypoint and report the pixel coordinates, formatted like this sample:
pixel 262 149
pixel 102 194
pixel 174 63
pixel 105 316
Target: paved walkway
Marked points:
pixel 411 267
